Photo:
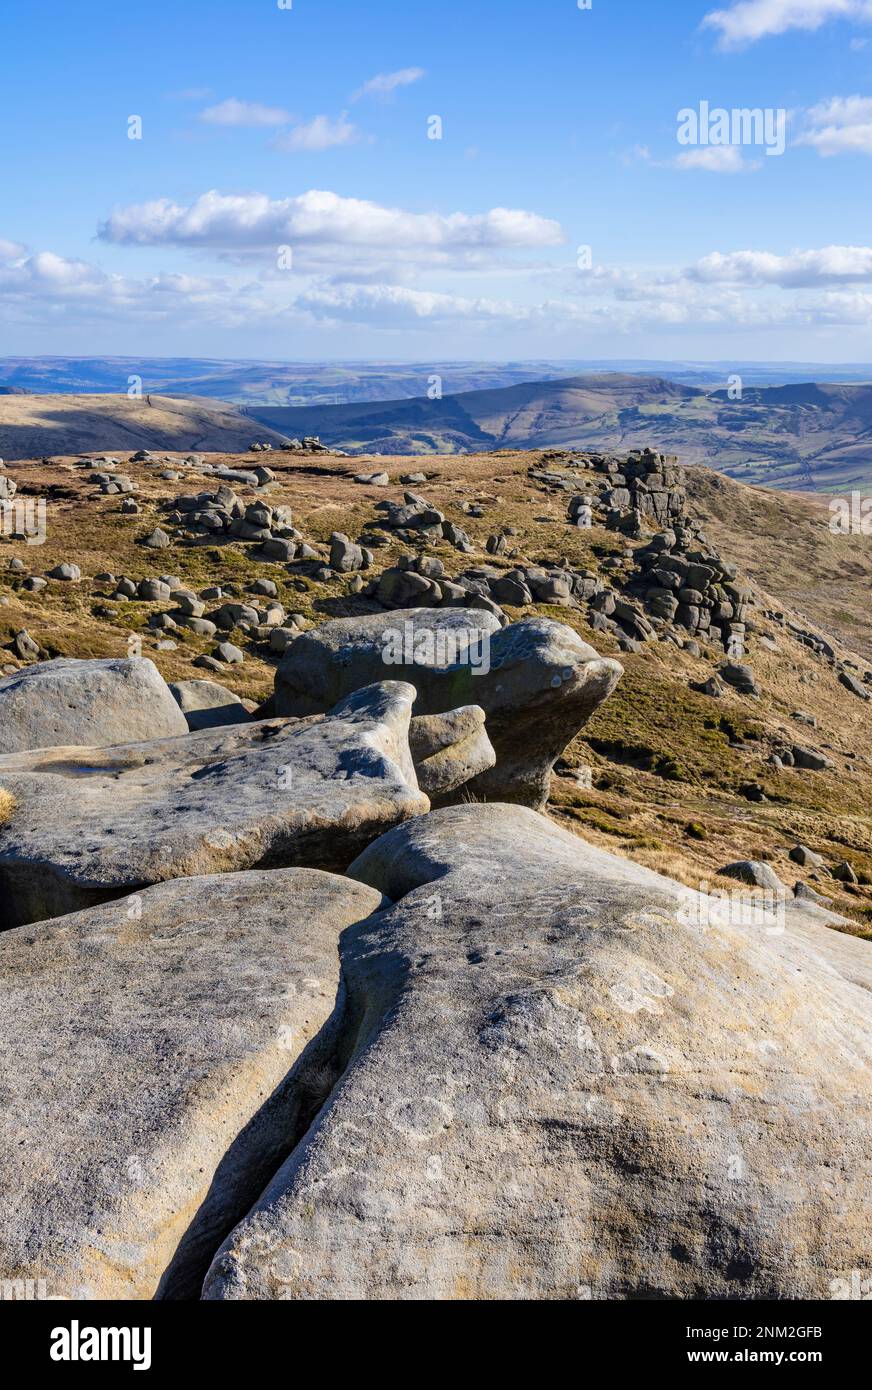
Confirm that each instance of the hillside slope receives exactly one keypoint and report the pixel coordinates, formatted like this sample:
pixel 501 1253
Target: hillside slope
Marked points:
pixel 33 426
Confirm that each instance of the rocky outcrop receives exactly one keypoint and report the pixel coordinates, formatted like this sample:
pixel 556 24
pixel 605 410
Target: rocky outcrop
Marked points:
pixel 536 680
pixel 88 703
pixel 567 1078
pixel 99 823
pixel 161 1072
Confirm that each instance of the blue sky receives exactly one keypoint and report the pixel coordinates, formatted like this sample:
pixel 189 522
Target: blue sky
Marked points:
pixel 307 128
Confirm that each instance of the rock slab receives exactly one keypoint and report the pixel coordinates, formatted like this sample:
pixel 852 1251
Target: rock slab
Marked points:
pixel 570 1078
pixel 160 1072
pixel 89 825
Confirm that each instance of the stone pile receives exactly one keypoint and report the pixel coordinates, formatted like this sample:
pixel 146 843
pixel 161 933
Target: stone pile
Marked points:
pixel 417 519
pixel 684 583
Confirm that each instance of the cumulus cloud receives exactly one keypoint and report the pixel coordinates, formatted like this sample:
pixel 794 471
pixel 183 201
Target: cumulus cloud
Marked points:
pixel 830 265
pixel 253 220
pixel 321 133
pixel 825 289
pixel 398 307
pixel 716 159
pixel 384 84
pixel 749 20
pixel 841 125
pixel 244 113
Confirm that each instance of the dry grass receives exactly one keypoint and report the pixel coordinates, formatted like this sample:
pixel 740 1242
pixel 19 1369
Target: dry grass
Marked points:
pixel 7 806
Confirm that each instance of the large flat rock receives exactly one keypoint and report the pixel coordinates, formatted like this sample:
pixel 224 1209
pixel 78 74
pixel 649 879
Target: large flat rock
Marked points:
pixel 90 703
pixel 156 1072
pixel 92 824
pixel 536 680
pixel 570 1077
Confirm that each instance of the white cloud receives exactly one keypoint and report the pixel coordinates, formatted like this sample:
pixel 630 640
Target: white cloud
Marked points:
pixel 749 20
pixel 716 159
pixel 232 222
pixel 321 133
pixel 842 125
pixel 391 306
pixel 830 265
pixel 244 113
pixel 384 84
pixel 723 292
pixel 11 250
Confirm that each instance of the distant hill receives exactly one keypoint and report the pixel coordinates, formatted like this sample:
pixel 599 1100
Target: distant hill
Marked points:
pixel 35 426
pixel 276 383
pixel 812 436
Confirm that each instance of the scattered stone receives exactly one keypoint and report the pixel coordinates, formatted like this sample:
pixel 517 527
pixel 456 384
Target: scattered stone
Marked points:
pixel 156 539
pixel 810 759
pixel 806 894
pixel 740 677
pixel 228 652
pixel 801 854
pixel 844 872
pixel 856 687
pixel 71 574
pixel 755 872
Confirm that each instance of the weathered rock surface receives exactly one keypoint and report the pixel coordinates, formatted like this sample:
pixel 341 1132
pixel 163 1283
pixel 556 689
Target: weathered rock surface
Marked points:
pixel 89 703
pixel 536 680
pixel 329 662
pixel 208 705
pixel 157 1078
pixel 97 824
pixel 450 749
pixel 567 1080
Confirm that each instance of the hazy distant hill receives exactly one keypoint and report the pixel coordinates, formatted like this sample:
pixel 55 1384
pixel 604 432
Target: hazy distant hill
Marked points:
pixel 272 383
pixel 268 383
pixel 808 436
pixel 34 426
